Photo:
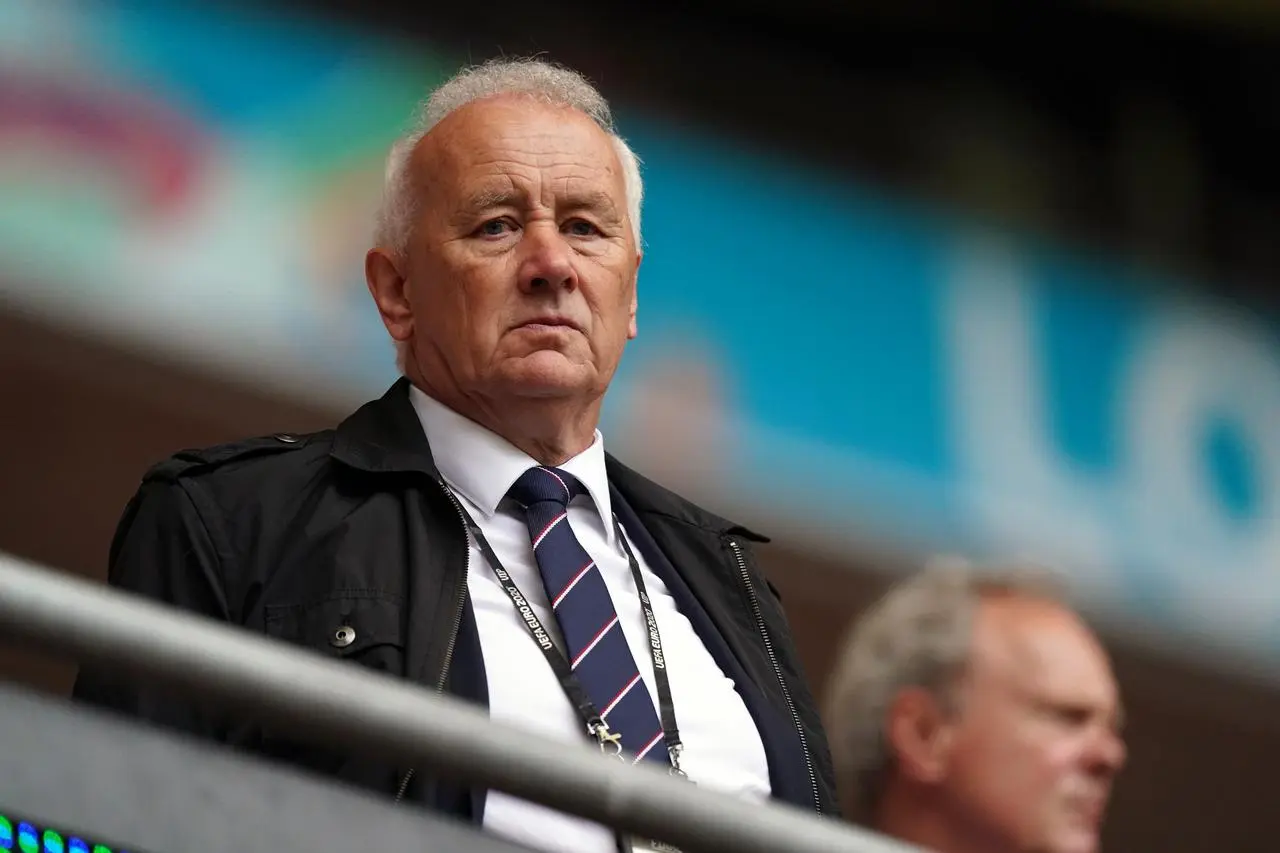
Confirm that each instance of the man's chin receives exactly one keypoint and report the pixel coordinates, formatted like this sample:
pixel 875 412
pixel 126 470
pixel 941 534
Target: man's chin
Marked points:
pixel 1077 840
pixel 546 374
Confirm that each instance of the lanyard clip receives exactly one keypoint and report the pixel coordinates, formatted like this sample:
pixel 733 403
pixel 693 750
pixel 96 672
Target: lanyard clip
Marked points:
pixel 674 751
pixel 610 742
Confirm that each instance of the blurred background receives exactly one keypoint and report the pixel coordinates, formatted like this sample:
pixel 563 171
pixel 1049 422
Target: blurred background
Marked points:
pixel 992 279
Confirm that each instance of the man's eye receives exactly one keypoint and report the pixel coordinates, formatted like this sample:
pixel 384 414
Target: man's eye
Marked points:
pixel 582 228
pixel 1072 715
pixel 495 228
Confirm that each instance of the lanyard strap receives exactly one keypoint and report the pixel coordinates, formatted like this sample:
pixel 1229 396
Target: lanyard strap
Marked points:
pixel 560 665
pixel 666 707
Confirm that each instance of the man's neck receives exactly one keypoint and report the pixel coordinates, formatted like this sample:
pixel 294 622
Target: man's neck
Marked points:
pixel 550 430
pixel 927 826
pixel 548 449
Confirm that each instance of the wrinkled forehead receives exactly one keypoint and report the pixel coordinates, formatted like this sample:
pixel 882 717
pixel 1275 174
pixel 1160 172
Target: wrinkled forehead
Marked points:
pixel 489 145
pixel 1035 646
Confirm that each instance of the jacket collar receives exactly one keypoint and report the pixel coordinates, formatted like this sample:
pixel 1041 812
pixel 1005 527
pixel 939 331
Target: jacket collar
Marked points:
pixel 384 436
pixel 648 498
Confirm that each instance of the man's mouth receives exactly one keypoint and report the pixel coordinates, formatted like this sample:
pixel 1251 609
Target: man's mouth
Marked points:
pixel 549 323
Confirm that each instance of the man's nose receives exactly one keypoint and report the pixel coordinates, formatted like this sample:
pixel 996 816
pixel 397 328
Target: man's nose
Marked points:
pixel 548 260
pixel 1109 752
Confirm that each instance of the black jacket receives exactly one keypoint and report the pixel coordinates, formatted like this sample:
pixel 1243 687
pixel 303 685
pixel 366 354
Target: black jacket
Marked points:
pixel 298 536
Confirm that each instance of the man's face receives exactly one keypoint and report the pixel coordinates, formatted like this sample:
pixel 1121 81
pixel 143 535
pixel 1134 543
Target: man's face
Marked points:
pixel 520 276
pixel 1035 745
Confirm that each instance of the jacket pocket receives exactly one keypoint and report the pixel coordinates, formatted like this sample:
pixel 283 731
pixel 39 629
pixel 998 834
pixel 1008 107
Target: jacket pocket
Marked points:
pixel 365 627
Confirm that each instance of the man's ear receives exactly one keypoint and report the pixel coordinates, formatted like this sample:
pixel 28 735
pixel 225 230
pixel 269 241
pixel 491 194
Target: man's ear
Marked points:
pixel 920 733
pixel 632 328
pixel 389 287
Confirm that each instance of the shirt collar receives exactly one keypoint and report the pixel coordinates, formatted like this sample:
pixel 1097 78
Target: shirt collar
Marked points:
pixel 482 465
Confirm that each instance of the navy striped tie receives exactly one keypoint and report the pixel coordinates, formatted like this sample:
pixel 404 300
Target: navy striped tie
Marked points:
pixel 597 648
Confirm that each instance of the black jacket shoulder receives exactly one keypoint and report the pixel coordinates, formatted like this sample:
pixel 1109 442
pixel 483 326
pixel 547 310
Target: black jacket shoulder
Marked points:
pixel 229 483
pixel 259 456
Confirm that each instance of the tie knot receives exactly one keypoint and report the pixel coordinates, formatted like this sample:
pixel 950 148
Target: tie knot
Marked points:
pixel 541 484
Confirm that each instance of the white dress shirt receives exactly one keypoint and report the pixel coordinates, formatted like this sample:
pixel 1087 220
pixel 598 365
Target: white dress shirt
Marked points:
pixel 723 750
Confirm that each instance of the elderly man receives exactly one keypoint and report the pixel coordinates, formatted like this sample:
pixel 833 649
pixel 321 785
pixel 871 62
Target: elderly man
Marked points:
pixel 973 712
pixel 408 539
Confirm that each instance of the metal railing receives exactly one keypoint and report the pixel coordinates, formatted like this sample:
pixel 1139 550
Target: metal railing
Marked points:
pixel 115 785
pixel 366 713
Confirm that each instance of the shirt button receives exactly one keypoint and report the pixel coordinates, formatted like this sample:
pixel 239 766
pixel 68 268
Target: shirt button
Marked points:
pixel 286 437
pixel 343 637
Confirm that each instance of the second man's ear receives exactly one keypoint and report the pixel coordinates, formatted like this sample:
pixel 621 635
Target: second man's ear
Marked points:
pixel 919 732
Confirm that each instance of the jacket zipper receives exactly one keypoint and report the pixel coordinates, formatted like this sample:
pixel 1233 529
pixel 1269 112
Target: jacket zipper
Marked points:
pixel 777 669
pixel 453 635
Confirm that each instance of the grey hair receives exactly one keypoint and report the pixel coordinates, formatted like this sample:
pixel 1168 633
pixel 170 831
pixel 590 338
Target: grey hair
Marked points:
pixel 918 635
pixel 550 83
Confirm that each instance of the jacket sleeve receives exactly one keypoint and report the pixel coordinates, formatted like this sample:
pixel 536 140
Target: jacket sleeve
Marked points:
pixel 163 550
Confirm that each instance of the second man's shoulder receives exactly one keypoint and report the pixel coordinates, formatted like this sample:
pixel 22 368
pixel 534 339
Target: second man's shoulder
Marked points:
pixel 268 456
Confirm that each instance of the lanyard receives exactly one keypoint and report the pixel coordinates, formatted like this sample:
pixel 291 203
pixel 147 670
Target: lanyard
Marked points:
pixel 596 726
